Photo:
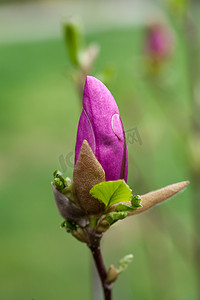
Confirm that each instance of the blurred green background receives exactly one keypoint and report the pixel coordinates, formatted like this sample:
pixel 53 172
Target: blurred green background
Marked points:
pixel 39 113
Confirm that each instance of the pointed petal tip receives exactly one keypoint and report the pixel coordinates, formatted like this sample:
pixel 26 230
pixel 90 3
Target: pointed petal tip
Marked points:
pixel 92 83
pixel 89 80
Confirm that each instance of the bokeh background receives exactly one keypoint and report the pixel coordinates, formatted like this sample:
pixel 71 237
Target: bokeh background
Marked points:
pixel 40 108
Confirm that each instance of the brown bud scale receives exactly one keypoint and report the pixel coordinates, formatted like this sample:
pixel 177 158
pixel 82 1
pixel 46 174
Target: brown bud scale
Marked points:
pixel 87 173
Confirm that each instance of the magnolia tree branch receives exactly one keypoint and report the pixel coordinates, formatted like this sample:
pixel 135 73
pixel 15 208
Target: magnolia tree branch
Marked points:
pixel 98 259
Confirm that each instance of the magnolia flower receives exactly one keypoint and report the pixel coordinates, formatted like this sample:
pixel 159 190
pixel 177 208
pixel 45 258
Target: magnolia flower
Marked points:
pixel 101 126
pixel 98 189
pixel 101 152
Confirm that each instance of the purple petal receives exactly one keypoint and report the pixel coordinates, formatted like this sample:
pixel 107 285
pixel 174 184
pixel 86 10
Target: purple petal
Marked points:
pixel 100 124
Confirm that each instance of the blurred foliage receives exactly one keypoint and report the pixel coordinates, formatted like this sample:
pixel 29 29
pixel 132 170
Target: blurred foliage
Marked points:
pixel 38 122
pixel 73 36
pixel 17 1
pixel 82 56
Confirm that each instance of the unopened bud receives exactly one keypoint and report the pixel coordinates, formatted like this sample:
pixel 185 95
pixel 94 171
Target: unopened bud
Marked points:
pixel 158 196
pixel 68 190
pixel 103 226
pixel 112 274
pixel 124 262
pixel 59 180
pixel 59 184
pixel 159 43
pixel 80 235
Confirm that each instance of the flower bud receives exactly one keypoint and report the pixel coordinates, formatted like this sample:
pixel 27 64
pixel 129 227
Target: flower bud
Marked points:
pixel 80 235
pixel 112 274
pixel 100 124
pixel 103 225
pixel 159 42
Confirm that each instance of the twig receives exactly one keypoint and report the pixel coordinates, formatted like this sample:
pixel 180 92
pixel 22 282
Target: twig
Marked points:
pixel 98 259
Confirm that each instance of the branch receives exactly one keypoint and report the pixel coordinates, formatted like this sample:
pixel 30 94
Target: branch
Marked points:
pixel 98 259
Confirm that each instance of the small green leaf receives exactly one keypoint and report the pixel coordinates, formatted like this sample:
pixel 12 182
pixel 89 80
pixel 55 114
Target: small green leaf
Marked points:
pixel 68 187
pixel 111 192
pixel 73 34
pixel 64 185
pixel 124 262
pixel 136 201
pixel 58 174
pixel 135 204
pixel 59 184
pixel 124 207
pixel 113 217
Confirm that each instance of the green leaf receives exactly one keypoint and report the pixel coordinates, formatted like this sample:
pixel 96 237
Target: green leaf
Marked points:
pixel 64 185
pixel 73 34
pixel 111 192
pixel 124 262
pixel 58 175
pixel 113 217
pixel 124 207
pixel 59 184
pixel 136 202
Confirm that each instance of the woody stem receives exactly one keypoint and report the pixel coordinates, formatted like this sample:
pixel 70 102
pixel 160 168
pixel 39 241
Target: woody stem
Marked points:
pixel 101 269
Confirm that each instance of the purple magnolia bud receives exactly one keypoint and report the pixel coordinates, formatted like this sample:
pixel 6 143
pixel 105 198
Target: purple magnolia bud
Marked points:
pixel 100 124
pixel 159 41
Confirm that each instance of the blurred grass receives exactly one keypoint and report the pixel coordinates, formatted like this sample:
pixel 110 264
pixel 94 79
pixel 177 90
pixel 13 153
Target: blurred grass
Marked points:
pixel 38 121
